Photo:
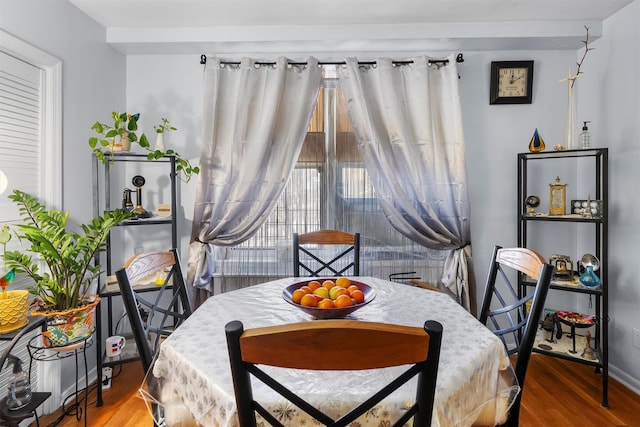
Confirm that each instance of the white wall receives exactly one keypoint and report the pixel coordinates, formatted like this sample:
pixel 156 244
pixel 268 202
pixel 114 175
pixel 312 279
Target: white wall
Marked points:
pixel 93 84
pixel 614 101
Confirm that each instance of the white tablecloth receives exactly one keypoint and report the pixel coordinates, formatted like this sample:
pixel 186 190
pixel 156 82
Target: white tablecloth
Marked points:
pixel 194 361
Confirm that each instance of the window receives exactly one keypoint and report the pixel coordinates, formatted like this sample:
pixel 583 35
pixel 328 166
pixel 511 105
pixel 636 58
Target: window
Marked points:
pixel 329 188
pixel 30 123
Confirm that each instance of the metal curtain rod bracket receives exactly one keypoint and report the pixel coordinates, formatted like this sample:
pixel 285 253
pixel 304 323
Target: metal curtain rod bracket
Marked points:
pixel 459 59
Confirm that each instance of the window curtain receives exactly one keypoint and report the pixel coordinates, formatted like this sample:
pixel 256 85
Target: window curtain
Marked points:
pixel 254 123
pixel 408 127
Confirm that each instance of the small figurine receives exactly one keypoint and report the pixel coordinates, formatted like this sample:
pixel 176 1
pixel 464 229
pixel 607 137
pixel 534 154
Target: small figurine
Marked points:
pixel 537 143
pixel 588 352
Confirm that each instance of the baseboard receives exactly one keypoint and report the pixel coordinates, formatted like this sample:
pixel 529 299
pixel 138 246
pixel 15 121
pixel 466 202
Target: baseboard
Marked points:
pixel 625 379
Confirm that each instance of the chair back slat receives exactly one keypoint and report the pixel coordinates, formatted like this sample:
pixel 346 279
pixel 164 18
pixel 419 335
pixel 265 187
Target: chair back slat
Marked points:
pixel 309 259
pixel 344 345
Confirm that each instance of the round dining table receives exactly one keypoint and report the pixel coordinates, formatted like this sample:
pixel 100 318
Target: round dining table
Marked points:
pixel 475 382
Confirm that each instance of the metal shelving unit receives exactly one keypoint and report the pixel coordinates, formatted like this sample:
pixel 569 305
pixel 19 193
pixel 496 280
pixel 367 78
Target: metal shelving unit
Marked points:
pixel 102 201
pixel 600 239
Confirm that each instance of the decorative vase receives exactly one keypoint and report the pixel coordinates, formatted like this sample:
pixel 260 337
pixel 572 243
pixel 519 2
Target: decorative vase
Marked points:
pixel 160 142
pixel 125 142
pixel 536 144
pixel 69 326
pixel 570 139
pixel 14 309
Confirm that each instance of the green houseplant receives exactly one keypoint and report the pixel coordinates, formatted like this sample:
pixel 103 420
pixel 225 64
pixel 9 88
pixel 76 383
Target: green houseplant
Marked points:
pixel 69 257
pixel 125 126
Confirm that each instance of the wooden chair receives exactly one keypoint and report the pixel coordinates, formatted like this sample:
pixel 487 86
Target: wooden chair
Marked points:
pixel 315 266
pixel 154 317
pixel 347 345
pixel 507 314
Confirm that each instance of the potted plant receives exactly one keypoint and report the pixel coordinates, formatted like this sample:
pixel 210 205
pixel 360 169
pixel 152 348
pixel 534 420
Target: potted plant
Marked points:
pixel 61 292
pixel 14 305
pixel 126 125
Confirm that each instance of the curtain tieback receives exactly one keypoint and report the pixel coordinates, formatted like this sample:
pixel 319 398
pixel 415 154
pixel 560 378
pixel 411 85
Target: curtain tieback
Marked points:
pixel 463 246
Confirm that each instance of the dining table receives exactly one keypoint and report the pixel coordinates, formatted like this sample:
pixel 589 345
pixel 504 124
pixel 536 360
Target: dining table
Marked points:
pixel 475 383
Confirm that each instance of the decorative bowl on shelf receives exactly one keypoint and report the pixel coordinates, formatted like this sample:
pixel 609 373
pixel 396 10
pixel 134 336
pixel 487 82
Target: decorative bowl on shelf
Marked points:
pixel 328 313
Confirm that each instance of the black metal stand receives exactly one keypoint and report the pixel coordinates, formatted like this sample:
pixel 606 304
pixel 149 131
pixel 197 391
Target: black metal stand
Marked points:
pixel 14 417
pixel 39 352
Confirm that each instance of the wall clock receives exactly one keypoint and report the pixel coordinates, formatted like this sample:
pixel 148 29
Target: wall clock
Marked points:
pixel 511 82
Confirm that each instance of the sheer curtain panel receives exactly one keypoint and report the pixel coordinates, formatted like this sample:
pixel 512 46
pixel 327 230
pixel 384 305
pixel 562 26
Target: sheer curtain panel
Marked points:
pixel 408 127
pixel 254 123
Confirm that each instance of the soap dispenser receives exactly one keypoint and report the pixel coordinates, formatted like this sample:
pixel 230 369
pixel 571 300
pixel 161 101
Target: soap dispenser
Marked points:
pixel 19 394
pixel 585 136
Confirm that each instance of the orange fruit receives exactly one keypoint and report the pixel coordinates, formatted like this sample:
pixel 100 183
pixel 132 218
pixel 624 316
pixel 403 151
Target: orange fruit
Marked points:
pixel 297 295
pixel 306 289
pixel 328 284
pixel 343 281
pixel 336 291
pixel 322 291
pixel 353 288
pixel 326 303
pixel 308 300
pixel 343 301
pixel 314 284
pixel 358 296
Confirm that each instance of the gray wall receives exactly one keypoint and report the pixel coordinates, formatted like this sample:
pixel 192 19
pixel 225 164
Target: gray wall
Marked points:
pixel 93 83
pixel 171 85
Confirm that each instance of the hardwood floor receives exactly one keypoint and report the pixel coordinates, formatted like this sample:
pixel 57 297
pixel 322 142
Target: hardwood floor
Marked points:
pixel 557 394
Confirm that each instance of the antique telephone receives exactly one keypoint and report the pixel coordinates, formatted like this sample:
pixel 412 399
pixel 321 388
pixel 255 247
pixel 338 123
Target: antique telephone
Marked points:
pixel 140 212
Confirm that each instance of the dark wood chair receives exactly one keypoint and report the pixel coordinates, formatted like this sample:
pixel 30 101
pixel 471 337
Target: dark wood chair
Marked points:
pixel 508 315
pixel 347 345
pixel 153 315
pixel 306 257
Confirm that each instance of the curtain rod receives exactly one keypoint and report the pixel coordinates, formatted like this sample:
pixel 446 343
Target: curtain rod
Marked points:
pixel 459 59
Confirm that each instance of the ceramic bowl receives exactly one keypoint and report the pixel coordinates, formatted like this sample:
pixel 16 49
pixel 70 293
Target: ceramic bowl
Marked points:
pixel 329 313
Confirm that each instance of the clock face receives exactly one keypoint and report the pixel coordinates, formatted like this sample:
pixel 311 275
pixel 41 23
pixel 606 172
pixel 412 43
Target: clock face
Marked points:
pixel 512 82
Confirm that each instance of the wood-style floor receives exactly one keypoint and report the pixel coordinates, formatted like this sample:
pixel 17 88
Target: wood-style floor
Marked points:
pixel 557 394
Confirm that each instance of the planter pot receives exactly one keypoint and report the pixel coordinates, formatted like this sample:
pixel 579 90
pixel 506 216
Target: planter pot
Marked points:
pixel 160 142
pixel 125 143
pixel 70 326
pixel 14 309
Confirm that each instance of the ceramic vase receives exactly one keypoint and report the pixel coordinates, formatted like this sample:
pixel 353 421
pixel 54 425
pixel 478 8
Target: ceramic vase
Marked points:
pixel 570 139
pixel 14 308
pixel 125 143
pixel 160 142
pixel 69 326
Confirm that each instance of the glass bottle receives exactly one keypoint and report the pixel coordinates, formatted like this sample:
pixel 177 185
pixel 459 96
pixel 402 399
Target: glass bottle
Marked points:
pixel 19 394
pixel 585 136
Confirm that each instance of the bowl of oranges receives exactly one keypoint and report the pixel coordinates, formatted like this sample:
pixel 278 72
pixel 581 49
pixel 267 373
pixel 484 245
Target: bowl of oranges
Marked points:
pixel 330 298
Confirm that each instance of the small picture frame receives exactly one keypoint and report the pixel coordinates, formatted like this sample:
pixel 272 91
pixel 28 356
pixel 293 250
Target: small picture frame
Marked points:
pixel 587 208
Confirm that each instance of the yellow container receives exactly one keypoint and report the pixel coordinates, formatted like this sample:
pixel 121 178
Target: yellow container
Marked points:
pixel 14 308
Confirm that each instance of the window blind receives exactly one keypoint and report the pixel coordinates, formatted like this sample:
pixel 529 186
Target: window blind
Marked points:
pixel 20 134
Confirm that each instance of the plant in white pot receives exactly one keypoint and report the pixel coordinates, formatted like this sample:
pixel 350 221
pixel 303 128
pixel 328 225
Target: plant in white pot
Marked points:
pixel 127 125
pixel 61 292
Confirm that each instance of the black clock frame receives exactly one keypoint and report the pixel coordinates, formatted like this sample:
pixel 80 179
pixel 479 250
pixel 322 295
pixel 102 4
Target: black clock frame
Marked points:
pixel 495 72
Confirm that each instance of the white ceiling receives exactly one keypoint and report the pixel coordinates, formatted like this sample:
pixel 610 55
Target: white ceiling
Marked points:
pixel 314 26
